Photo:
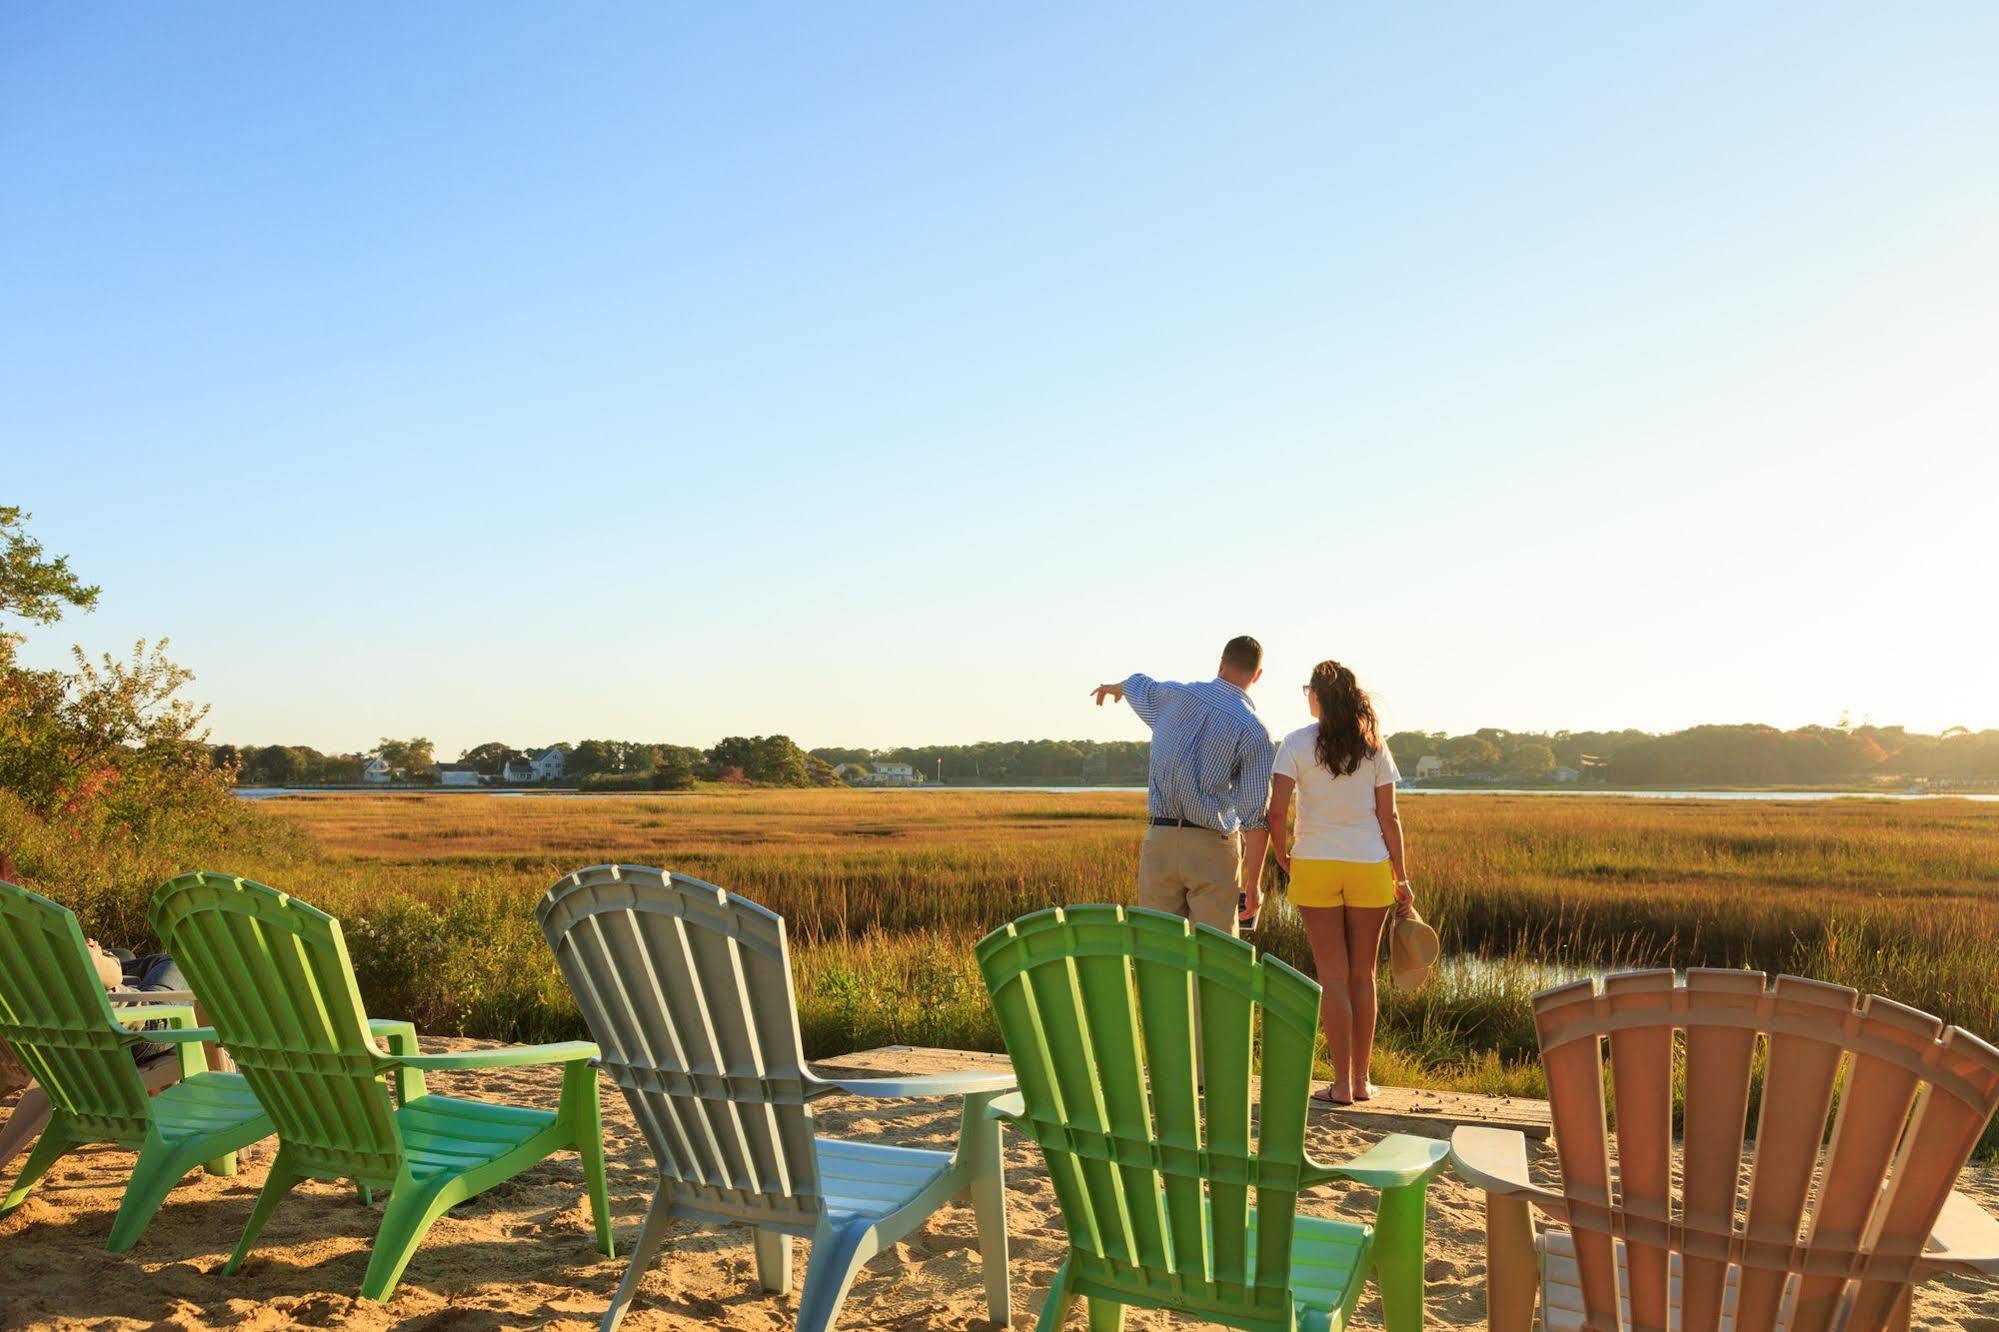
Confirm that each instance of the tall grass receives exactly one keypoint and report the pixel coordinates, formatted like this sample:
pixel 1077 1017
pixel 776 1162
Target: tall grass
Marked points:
pixel 885 892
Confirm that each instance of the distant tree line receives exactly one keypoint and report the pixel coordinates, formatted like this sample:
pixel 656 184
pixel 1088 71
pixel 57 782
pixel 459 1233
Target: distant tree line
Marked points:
pixel 605 765
pixel 1735 755
pixel 1743 755
pixel 1012 762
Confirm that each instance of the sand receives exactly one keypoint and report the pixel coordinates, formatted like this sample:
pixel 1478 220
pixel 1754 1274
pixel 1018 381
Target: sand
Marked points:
pixel 520 1255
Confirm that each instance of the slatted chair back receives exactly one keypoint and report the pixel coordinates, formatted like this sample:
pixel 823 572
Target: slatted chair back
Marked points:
pixel 1847 1213
pixel 275 981
pixel 687 990
pixel 55 1016
pixel 1133 1035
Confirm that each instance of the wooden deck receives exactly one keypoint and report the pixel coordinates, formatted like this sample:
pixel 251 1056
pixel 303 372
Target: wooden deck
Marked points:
pixel 1432 1114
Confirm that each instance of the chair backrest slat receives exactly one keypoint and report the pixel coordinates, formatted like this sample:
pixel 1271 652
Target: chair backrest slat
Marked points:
pixel 278 987
pixel 1798 1080
pixel 1641 1060
pixel 1720 1059
pixel 1913 1100
pixel 1873 1110
pixel 1155 1150
pixel 688 991
pixel 1574 1067
pixel 54 1014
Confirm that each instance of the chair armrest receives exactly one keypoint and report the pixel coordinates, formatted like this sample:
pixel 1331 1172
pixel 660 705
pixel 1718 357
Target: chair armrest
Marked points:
pixel 1495 1160
pixel 1011 1108
pixel 150 996
pixel 181 1015
pixel 1965 1238
pixel 1398 1160
pixel 965 1082
pixel 507 1056
pixel 400 1035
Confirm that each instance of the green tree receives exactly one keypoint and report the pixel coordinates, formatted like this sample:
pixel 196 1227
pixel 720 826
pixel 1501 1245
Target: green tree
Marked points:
pixel 488 758
pixel 1530 758
pixel 407 759
pixel 33 587
pixel 1471 753
pixel 112 739
pixel 676 768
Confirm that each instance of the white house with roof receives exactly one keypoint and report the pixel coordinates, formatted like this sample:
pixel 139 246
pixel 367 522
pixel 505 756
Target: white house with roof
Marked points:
pixel 545 766
pixel 1429 767
pixel 893 774
pixel 375 770
pixel 457 774
pixel 1567 774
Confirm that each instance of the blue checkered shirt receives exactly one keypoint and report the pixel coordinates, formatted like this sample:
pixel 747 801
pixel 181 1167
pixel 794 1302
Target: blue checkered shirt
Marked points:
pixel 1211 753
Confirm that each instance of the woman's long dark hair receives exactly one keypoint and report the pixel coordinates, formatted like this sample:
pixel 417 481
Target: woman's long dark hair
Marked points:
pixel 1348 731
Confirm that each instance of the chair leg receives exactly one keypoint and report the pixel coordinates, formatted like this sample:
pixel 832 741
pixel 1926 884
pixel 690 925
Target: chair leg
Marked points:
pixel 579 1095
pixel 837 1256
pixel 405 1221
pixel 1398 1262
pixel 159 1168
pixel 774 1260
pixel 988 1191
pixel 1056 1308
pixel 1105 1315
pixel 1513 1273
pixel 658 1217
pixel 30 1117
pixel 277 1184
pixel 49 1149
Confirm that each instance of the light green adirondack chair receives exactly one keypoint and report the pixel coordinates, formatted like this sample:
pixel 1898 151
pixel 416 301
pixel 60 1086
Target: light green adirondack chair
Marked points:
pixel 1171 1199
pixel 54 1013
pixel 274 976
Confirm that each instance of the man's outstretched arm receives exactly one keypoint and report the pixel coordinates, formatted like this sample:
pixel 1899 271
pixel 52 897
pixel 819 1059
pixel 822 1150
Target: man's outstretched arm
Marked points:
pixel 1141 691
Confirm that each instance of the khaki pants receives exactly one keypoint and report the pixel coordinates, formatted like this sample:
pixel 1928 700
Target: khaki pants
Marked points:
pixel 1192 872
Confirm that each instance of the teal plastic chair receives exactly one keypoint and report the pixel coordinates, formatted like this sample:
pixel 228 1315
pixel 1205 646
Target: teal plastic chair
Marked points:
pixel 274 977
pixel 689 990
pixel 1175 1197
pixel 55 1015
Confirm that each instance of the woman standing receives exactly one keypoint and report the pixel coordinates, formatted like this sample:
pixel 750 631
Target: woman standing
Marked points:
pixel 1346 864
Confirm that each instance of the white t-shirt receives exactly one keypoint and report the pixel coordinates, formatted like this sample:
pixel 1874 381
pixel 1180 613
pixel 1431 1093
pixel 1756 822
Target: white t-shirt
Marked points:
pixel 1335 814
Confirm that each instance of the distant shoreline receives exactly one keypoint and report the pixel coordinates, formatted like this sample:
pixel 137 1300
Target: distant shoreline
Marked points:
pixel 1803 793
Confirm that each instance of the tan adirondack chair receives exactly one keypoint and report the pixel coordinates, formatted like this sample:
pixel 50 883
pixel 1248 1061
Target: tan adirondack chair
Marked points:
pixel 1801 1232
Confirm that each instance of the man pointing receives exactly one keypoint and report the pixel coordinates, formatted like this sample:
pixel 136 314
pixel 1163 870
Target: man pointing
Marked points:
pixel 1208 789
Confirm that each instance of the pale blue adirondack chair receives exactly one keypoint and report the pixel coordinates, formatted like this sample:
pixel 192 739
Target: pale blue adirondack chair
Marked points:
pixel 687 990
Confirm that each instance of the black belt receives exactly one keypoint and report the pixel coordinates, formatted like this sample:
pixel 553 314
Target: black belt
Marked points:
pixel 1184 823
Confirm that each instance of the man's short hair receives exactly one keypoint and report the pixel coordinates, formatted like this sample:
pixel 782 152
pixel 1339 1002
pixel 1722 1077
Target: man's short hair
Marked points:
pixel 1243 653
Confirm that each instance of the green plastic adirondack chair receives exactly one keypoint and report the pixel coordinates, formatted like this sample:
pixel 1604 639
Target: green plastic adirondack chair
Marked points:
pixel 274 977
pixel 54 1013
pixel 1172 1199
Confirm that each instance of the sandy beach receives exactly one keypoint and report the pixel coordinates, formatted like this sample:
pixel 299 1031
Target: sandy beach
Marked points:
pixel 519 1256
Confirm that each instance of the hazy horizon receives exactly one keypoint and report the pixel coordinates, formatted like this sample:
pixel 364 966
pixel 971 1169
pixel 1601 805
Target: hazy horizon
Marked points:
pixel 894 376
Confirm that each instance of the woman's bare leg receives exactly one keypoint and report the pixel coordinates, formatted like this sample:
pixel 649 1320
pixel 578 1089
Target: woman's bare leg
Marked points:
pixel 1363 954
pixel 1326 928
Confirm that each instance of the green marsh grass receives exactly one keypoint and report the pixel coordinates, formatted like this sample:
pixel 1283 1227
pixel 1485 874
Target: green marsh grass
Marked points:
pixel 885 892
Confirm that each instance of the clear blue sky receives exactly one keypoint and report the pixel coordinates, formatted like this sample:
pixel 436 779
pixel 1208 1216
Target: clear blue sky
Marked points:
pixel 887 374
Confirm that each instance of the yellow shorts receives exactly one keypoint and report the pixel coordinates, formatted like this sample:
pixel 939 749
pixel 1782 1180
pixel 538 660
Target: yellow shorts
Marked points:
pixel 1331 883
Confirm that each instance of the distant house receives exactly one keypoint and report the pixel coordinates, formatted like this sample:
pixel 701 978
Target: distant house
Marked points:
pixel 1567 774
pixel 1429 767
pixel 375 770
pixel 892 774
pixel 456 774
pixel 547 766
